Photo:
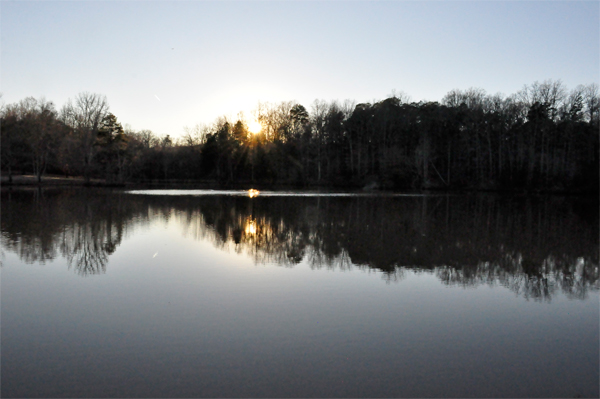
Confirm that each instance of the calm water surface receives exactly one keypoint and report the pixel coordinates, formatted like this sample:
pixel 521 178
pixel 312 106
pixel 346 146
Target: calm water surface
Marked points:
pixel 215 294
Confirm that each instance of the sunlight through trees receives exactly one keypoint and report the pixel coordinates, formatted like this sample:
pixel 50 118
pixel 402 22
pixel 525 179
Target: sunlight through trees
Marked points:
pixel 545 137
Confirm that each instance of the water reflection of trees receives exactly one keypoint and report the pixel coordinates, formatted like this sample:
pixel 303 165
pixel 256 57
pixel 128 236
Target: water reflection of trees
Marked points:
pixel 83 226
pixel 534 246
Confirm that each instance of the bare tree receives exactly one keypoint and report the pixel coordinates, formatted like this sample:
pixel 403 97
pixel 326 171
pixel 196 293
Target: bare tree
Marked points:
pixel 319 110
pixel 32 123
pixel 592 103
pixel 42 135
pixel 84 115
pixel 275 120
pixel 401 96
pixel 196 135
pixel 9 130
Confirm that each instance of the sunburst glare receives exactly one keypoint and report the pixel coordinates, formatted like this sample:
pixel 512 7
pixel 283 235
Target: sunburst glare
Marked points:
pixel 254 127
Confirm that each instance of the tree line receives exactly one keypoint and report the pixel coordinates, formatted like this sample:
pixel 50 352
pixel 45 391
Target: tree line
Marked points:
pixel 543 137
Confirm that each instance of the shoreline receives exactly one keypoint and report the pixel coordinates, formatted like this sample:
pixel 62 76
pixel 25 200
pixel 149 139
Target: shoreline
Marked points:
pixel 78 181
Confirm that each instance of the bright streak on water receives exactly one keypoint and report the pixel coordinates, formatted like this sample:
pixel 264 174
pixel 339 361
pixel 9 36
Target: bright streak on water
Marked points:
pixel 245 193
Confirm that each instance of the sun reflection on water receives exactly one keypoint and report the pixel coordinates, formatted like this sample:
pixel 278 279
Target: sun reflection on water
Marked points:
pixel 250 228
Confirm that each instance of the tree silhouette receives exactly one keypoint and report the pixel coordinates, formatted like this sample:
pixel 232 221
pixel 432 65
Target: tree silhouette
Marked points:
pixel 542 138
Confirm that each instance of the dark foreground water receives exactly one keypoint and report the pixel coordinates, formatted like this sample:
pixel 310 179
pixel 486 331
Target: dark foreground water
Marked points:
pixel 116 294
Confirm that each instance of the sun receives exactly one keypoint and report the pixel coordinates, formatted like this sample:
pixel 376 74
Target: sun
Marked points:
pixel 254 127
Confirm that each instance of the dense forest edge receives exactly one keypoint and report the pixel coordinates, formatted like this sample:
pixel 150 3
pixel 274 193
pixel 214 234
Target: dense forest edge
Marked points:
pixel 543 138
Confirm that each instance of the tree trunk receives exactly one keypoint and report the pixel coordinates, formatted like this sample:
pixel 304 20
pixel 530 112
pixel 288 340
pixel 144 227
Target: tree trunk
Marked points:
pixel 351 157
pixel 448 170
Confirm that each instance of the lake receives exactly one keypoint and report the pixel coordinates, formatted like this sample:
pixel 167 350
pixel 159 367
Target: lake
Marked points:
pixel 199 293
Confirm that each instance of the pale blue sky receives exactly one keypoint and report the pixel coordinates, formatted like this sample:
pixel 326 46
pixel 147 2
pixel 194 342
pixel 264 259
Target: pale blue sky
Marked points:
pixel 204 59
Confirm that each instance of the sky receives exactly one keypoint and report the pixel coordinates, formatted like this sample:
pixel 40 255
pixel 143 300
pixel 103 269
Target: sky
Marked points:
pixel 164 65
